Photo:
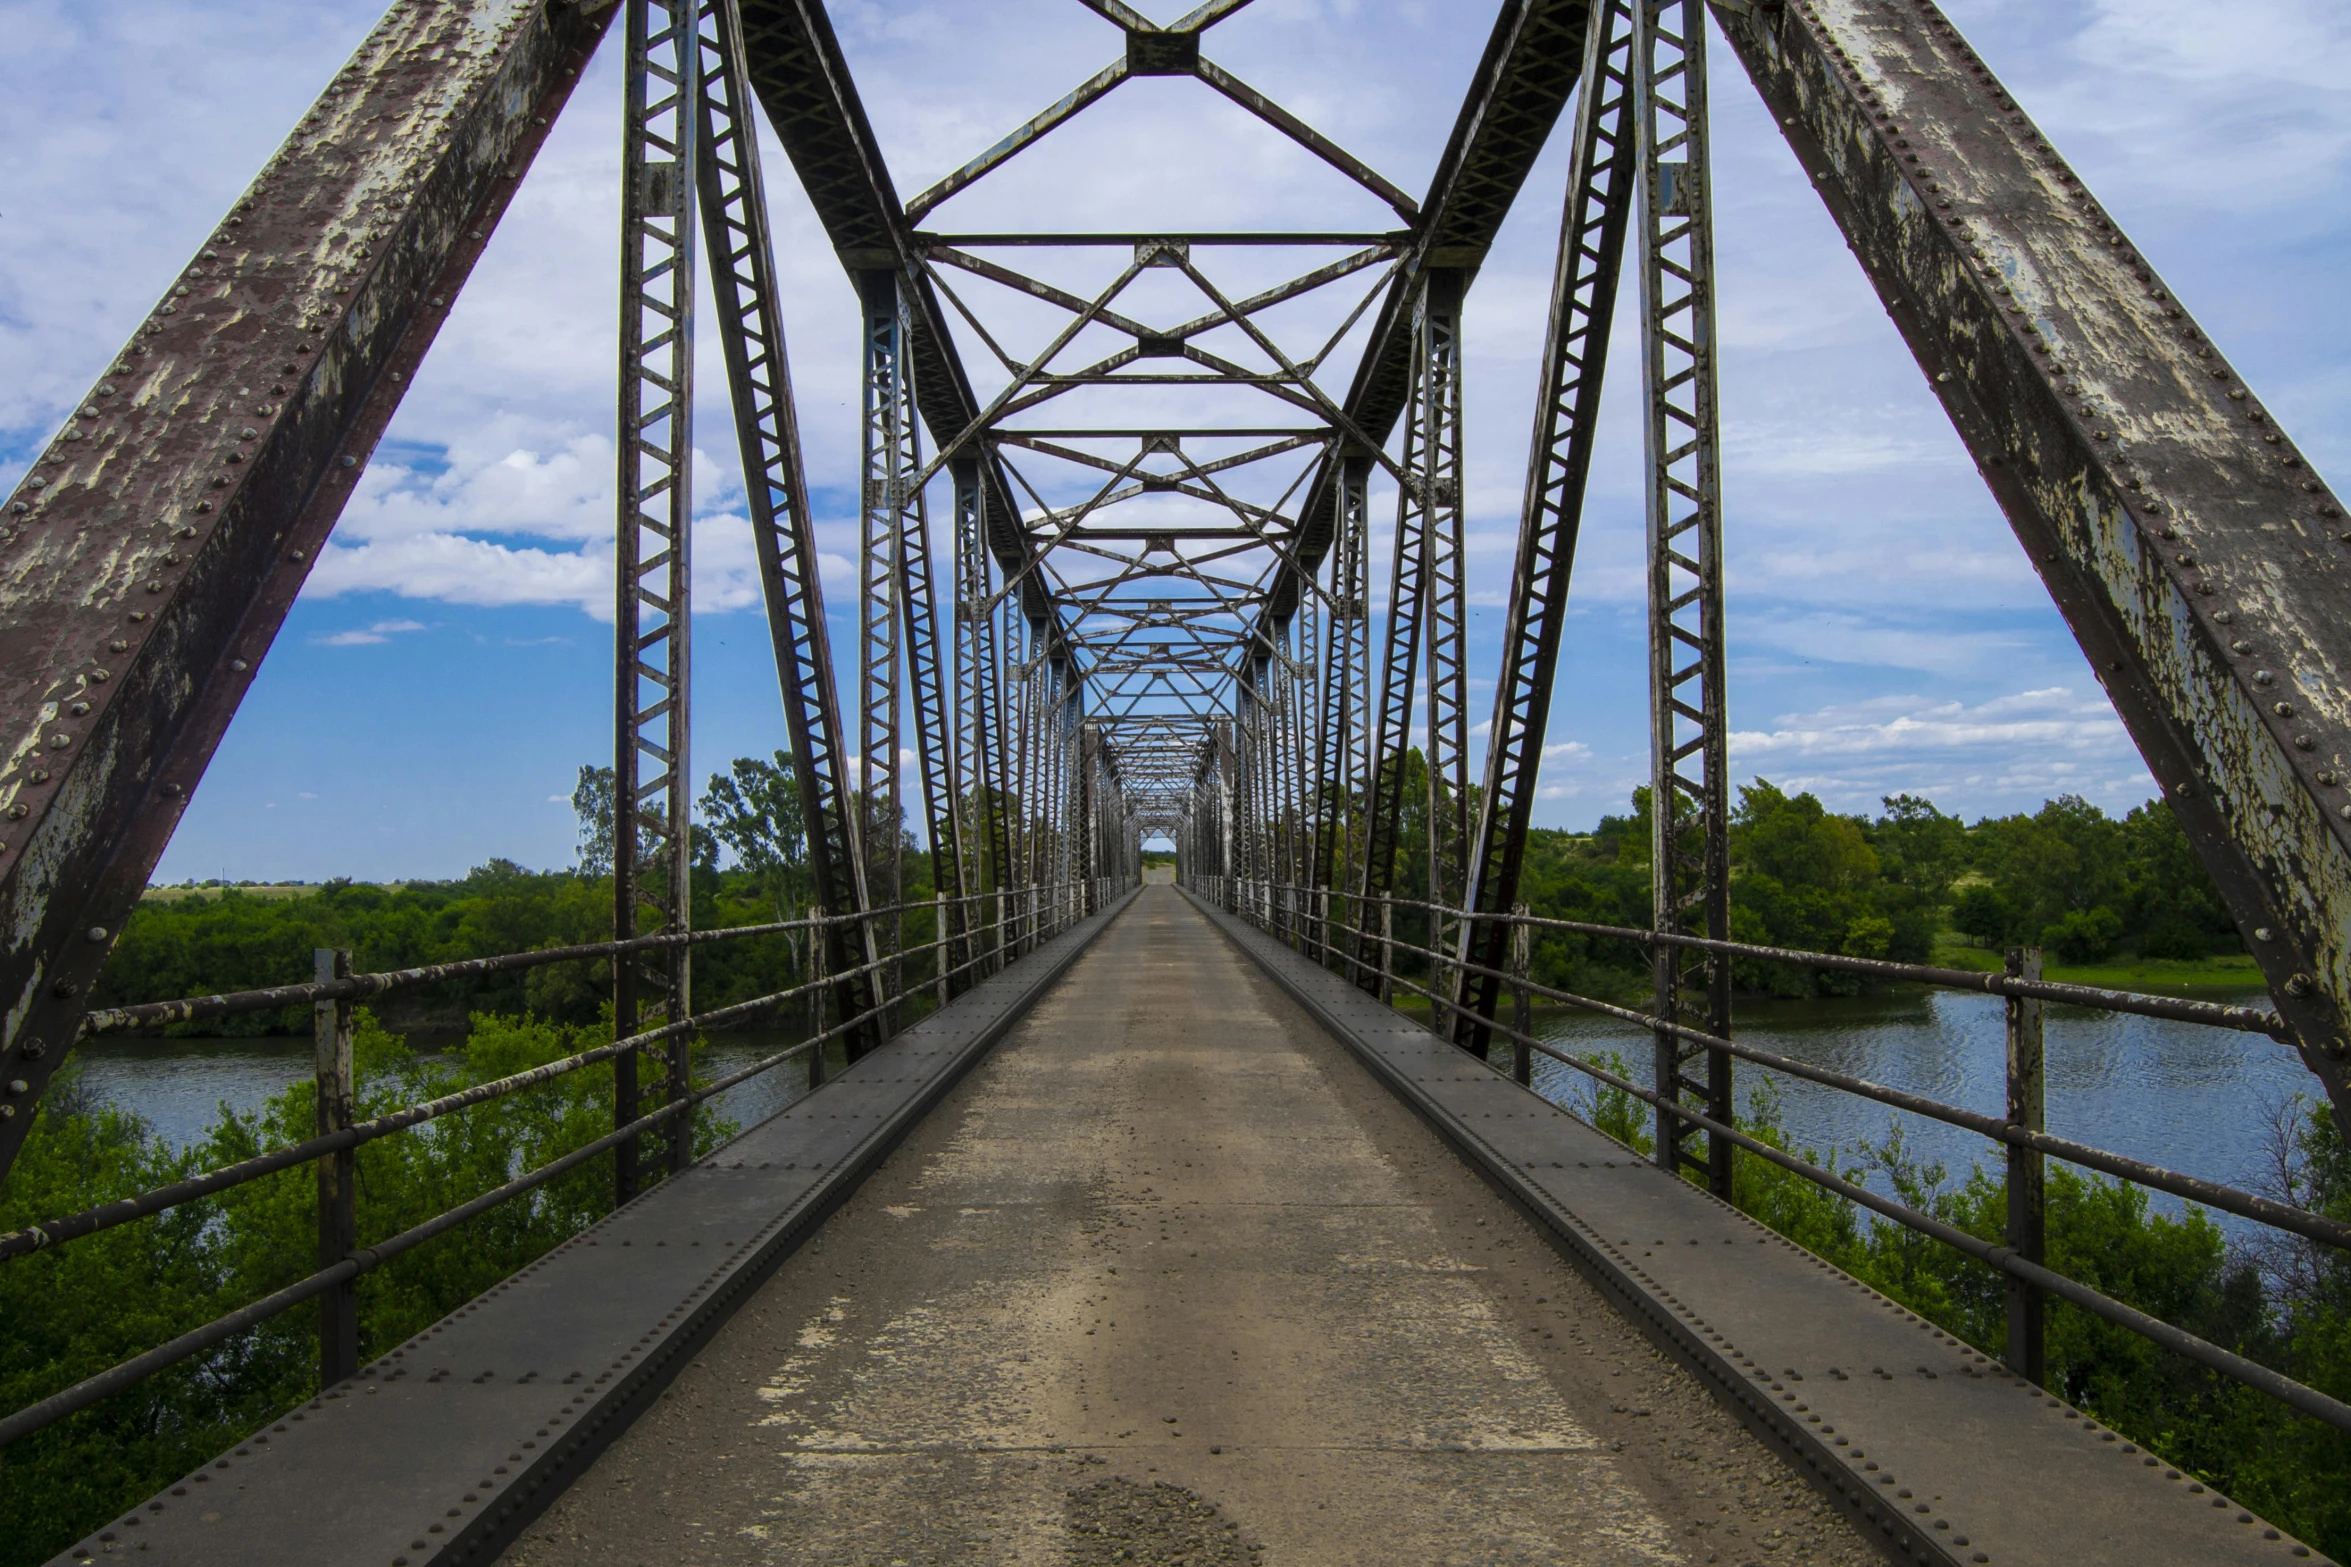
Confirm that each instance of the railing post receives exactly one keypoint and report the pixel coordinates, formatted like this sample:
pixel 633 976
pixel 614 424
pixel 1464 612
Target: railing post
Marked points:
pixel 819 943
pixel 2027 1234
pixel 939 944
pixel 338 1225
pixel 1387 951
pixel 1522 945
pixel 999 895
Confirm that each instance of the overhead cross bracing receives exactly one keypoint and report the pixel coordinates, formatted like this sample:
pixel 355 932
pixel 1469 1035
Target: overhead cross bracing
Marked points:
pixel 1117 576
pixel 1117 563
pixel 1147 412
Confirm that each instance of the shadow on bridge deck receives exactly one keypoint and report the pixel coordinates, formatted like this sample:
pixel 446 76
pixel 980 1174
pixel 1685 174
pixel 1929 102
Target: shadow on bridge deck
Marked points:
pixel 1169 1278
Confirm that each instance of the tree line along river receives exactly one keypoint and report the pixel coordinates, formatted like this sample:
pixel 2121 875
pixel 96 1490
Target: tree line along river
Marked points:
pixel 2201 1100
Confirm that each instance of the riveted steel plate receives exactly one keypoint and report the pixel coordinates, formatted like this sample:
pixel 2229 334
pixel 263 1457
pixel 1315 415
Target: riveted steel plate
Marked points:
pixel 441 1451
pixel 1939 1451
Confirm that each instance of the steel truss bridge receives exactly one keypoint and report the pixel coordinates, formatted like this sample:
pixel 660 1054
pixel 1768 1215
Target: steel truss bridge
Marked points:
pixel 1116 627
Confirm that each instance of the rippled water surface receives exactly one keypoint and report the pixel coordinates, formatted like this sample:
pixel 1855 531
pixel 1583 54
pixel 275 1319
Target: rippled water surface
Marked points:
pixel 179 1085
pixel 2202 1100
pixel 2197 1099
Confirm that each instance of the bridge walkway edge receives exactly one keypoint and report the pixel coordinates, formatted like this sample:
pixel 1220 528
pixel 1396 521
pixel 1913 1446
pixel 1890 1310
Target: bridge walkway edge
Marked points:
pixel 472 1427
pixel 1939 1452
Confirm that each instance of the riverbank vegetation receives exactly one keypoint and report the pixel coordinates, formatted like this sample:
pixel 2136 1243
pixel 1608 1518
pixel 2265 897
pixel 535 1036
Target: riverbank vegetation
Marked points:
pixel 193 941
pixel 74 1310
pixel 2115 900
pixel 2283 1302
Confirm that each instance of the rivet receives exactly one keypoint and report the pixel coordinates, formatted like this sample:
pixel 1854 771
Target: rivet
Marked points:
pixel 2261 933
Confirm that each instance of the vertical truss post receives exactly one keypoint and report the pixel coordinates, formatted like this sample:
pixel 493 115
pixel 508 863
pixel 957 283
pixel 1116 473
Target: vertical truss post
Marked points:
pixel 2027 1227
pixel 1689 792
pixel 1073 713
pixel 1436 412
pixel 1227 763
pixel 1575 354
pixel 338 1173
pixel 652 786
pixel 980 682
pixel 1400 673
pixel 1027 783
pixel 1260 757
pixel 889 468
pixel 1400 664
pixel 1092 859
pixel 1308 743
pixel 934 714
pixel 741 250
pixel 1346 688
pixel 1281 761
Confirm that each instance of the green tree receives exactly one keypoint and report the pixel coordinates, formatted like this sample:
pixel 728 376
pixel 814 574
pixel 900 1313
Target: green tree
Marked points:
pixel 754 810
pixel 591 801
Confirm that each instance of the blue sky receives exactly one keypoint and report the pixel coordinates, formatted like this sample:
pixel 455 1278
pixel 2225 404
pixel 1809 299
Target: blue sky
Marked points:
pixel 447 672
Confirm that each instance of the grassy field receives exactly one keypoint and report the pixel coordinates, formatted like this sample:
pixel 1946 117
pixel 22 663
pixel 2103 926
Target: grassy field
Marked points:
pixel 2159 976
pixel 289 889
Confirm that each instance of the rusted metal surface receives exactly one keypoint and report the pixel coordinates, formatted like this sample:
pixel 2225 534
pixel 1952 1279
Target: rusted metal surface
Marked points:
pixel 1689 739
pixel 2199 560
pixel 653 557
pixel 600 1325
pixel 2001 1472
pixel 1523 82
pixel 738 239
pixel 800 77
pixel 1600 187
pixel 152 552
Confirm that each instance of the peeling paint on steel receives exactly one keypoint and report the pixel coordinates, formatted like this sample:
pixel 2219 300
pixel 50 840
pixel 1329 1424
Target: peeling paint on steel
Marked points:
pixel 149 556
pixel 2167 513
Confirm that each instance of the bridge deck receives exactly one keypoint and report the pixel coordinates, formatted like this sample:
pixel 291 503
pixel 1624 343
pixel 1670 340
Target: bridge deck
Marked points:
pixel 1191 1262
pixel 1168 1235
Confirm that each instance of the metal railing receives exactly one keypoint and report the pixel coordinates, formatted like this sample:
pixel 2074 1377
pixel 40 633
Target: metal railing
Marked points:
pixel 1015 920
pixel 1316 922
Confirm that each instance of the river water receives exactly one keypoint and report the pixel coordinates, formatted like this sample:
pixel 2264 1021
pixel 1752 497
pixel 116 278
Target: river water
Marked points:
pixel 2202 1100
pixel 179 1086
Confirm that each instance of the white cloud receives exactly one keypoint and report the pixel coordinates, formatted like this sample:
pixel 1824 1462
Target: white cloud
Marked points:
pixel 2028 743
pixel 368 636
pixel 1859 541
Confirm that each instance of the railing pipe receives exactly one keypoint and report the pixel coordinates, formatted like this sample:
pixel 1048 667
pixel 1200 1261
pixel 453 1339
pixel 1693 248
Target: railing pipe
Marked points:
pixel 2228 1199
pixel 338 1223
pixel 2026 1230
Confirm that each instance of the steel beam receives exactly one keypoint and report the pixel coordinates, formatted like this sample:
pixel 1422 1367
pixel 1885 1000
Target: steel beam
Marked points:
pixel 1600 188
pixel 980 684
pixel 1391 735
pixel 797 69
pixel 653 576
pixel 154 547
pixel 1523 82
pixel 884 498
pixel 2196 555
pixel 1688 737
pixel 739 243
pixel 934 717
pixel 1433 444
